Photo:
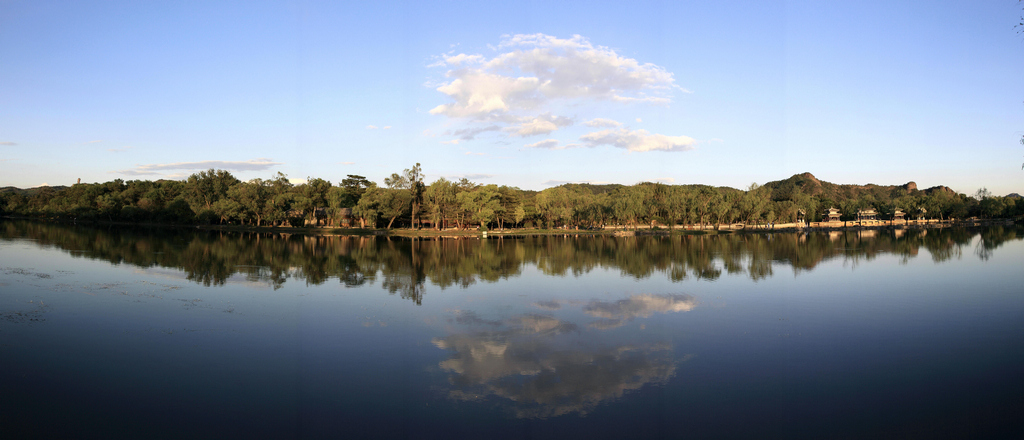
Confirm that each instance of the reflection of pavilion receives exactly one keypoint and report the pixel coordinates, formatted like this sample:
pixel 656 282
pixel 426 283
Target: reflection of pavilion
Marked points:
pixel 535 364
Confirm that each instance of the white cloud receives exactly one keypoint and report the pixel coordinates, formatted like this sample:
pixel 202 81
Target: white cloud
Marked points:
pixel 638 140
pixel 533 73
pixel 602 122
pixel 248 165
pixel 387 127
pixel 297 181
pixel 452 142
pixel 665 180
pixel 346 163
pixel 371 127
pixel 93 142
pixel 470 153
pixel 8 143
pixel 541 67
pixel 639 120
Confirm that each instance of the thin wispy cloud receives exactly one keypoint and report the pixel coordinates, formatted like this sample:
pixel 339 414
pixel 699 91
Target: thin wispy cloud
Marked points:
pixel 638 140
pixel 371 127
pixel 346 163
pixel 563 182
pixel 543 124
pixel 94 142
pixel 8 143
pixel 470 153
pixel 476 176
pixel 602 123
pixel 468 134
pixel 118 150
pixel 549 144
pixel 154 169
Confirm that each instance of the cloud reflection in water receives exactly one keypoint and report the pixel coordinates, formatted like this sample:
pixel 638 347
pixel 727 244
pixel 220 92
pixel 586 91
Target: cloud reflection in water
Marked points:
pixel 538 366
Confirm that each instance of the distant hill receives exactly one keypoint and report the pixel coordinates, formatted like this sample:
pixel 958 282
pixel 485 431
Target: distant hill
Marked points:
pixel 30 191
pixel 807 184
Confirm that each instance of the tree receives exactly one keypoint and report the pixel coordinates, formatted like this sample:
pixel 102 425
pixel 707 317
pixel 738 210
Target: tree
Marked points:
pixel 250 197
pixel 366 209
pixel 702 202
pixel 205 188
pixel 352 189
pixel 509 199
pixel 753 202
pixel 482 203
pixel 410 180
pixel 441 200
pixel 414 176
pixel 386 203
pixel 315 191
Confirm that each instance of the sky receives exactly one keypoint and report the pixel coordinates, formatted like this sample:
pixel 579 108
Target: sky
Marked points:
pixel 529 94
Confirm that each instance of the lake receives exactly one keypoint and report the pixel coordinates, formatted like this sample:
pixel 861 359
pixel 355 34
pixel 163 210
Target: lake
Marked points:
pixel 110 332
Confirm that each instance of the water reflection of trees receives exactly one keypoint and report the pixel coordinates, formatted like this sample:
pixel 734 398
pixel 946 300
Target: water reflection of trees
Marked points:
pixel 405 266
pixel 541 366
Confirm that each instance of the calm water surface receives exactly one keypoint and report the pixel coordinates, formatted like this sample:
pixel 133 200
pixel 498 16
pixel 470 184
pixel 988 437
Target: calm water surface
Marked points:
pixel 114 333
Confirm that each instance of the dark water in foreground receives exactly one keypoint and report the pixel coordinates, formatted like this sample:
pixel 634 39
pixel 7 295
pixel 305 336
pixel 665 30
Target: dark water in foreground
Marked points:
pixel 109 333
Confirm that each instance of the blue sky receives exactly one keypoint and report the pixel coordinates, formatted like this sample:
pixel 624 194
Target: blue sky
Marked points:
pixel 528 94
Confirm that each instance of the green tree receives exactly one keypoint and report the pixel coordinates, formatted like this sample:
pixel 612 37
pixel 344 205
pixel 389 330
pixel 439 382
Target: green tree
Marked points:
pixel 205 188
pixel 315 191
pixel 386 203
pixel 441 201
pixel 352 189
pixel 753 202
pixel 481 204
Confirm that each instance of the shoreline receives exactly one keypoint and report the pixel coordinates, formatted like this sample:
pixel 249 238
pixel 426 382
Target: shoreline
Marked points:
pixel 613 231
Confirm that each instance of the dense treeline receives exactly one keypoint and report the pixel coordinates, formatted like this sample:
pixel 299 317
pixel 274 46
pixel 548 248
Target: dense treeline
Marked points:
pixel 405 266
pixel 217 197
